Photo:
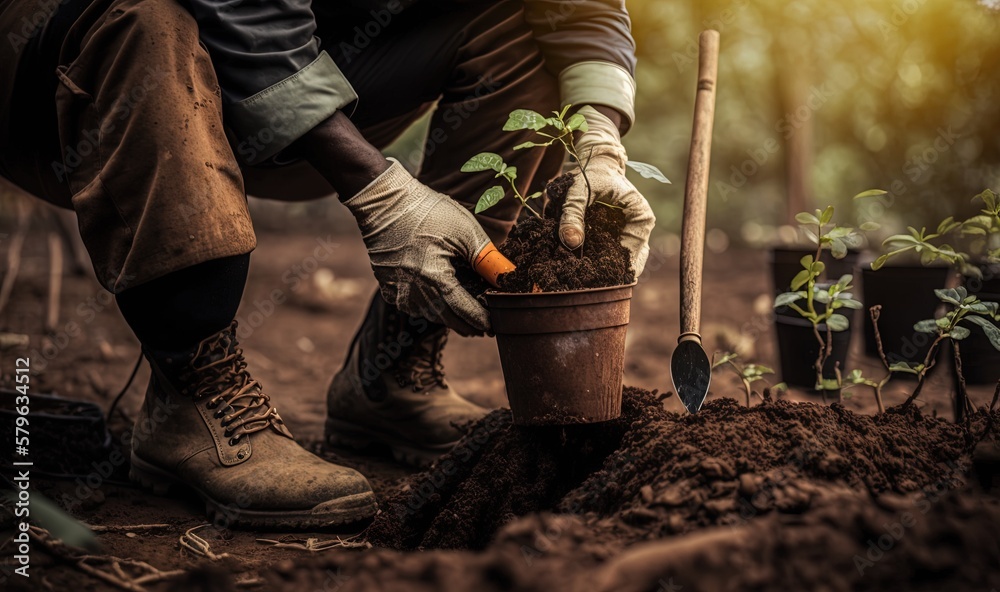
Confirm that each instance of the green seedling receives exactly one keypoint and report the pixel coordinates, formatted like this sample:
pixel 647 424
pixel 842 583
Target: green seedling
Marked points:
pixel 928 246
pixel 984 228
pixel 749 373
pixel 806 293
pixel 550 130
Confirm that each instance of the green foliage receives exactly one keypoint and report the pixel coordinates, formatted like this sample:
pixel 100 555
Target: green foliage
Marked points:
pixel 749 373
pixel 962 306
pixel 984 228
pixel 557 128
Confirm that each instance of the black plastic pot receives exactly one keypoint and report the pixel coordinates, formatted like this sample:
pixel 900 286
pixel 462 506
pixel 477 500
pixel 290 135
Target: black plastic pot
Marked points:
pixel 980 360
pixel 906 293
pixel 798 350
pixel 786 262
pixel 562 353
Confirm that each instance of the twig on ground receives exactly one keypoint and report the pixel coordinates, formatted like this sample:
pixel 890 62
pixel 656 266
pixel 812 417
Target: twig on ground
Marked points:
pixel 315 545
pixel 199 546
pixel 109 569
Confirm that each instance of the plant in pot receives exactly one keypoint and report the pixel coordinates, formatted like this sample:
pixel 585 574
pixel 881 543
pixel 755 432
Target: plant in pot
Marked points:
pixel 911 266
pixel 980 361
pixel 813 333
pixel 560 317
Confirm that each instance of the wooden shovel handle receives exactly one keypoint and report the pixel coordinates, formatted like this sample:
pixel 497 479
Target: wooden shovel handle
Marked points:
pixel 696 189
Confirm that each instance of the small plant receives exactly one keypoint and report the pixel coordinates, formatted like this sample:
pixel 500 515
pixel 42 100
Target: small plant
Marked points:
pixel 928 246
pixel 550 130
pixel 806 293
pixel 985 227
pixel 749 373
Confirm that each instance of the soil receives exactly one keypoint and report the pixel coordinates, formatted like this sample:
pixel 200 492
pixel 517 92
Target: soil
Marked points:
pixel 544 264
pixel 788 495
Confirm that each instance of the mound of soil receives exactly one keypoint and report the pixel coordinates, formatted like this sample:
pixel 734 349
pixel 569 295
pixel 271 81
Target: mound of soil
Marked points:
pixel 779 496
pixel 544 264
pixel 652 473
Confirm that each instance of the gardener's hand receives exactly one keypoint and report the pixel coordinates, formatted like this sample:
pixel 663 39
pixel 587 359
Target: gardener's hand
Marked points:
pixel 603 155
pixel 412 232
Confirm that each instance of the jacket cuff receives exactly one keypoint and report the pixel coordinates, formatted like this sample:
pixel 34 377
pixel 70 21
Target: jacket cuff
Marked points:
pixel 599 83
pixel 271 120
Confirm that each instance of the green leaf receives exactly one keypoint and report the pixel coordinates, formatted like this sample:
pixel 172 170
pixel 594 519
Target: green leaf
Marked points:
pixel 905 367
pixel 850 303
pixel 490 198
pixel 648 171
pixel 845 280
pixel 826 216
pixel 818 267
pixel 786 299
pixel 838 249
pixel 991 330
pixel 555 122
pixel 806 261
pixel 871 193
pixel 524 145
pixel 959 333
pixel 949 295
pixel 926 326
pixel 878 263
pixel 510 172
pixel 726 357
pixel 520 119
pixel 837 322
pixel 484 161
pixel 828 384
pixel 534 195
pixel 577 122
pixel 801 278
pixel 806 218
pixel 870 226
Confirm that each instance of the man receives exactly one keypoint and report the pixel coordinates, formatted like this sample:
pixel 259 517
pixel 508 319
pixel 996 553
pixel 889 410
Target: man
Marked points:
pixel 139 115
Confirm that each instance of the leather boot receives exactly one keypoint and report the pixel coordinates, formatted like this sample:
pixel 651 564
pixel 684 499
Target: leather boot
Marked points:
pixel 207 424
pixel 392 390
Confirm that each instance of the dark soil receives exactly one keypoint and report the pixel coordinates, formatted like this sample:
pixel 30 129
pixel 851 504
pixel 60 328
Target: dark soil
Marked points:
pixel 775 497
pixel 544 264
pixel 652 473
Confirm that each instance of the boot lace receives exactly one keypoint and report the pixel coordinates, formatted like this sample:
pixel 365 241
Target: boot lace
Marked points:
pixel 237 398
pixel 423 369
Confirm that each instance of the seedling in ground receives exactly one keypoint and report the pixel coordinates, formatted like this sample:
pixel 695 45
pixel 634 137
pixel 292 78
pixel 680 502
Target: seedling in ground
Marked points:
pixel 984 228
pixel 550 130
pixel 749 373
pixel 806 293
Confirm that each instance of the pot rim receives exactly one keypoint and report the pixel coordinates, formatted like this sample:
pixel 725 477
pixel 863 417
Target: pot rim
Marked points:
pixel 562 293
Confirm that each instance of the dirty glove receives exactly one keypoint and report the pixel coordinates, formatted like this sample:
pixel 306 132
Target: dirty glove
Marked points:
pixel 601 151
pixel 411 232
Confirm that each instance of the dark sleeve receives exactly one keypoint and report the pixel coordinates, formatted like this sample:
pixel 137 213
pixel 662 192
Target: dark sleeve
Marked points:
pixel 588 44
pixel 276 83
pixel 582 30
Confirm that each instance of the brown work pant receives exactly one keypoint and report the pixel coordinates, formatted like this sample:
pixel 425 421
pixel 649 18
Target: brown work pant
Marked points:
pixel 132 136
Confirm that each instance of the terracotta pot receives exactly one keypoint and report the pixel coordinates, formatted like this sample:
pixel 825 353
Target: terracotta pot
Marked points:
pixel 562 353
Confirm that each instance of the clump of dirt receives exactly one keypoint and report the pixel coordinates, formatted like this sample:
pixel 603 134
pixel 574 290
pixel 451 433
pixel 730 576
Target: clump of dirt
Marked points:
pixel 653 473
pixel 543 263
pixel 498 472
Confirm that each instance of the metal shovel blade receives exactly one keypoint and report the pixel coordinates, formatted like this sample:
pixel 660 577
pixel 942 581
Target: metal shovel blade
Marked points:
pixel 691 373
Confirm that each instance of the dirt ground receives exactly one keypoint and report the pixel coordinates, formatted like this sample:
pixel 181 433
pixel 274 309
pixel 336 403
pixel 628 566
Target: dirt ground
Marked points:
pixel 306 296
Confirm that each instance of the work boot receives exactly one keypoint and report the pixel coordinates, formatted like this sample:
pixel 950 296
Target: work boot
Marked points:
pixel 392 390
pixel 206 424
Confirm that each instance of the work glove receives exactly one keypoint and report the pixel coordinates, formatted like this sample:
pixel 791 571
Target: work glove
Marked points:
pixel 601 151
pixel 412 232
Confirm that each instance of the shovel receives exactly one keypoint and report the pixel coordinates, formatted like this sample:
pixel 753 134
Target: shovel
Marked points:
pixel 690 368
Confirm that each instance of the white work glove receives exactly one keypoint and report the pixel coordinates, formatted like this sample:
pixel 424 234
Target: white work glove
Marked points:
pixel 411 232
pixel 601 150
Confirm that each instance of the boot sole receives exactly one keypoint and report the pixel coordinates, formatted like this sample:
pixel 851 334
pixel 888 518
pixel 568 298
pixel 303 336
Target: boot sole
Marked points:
pixel 337 512
pixel 347 435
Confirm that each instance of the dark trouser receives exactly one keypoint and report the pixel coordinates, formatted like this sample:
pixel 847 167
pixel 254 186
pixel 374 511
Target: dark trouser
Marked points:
pixel 130 133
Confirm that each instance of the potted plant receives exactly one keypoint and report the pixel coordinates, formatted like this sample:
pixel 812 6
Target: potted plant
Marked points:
pixel 980 362
pixel 560 317
pixel 813 331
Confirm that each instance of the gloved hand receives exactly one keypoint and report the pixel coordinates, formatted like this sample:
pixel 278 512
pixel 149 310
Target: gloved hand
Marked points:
pixel 602 152
pixel 411 232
